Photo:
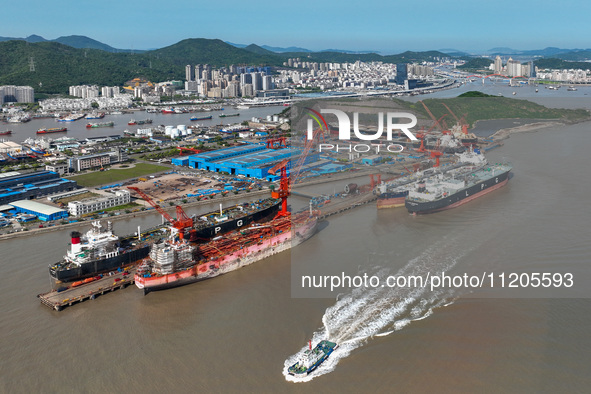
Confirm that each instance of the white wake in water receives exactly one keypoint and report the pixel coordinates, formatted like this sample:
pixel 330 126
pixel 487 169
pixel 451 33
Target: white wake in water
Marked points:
pixel 367 312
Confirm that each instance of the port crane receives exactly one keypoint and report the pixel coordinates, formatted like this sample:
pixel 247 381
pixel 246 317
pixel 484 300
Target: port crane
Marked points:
pixel 460 121
pixel 276 143
pixel 285 182
pixel 182 221
pixel 439 123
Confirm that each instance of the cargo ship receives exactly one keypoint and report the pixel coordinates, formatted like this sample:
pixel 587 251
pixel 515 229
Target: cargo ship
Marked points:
pixel 228 115
pixel 215 223
pixel 52 130
pixel 100 124
pixel 393 194
pixel 450 190
pixel 99 250
pixel 312 358
pixel 195 118
pixel 134 122
pixel 95 115
pixel 175 262
pixel 71 118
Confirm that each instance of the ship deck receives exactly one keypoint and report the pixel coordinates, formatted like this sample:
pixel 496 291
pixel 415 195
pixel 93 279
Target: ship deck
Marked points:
pixel 89 291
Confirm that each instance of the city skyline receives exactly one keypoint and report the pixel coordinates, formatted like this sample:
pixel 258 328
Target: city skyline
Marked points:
pixel 377 26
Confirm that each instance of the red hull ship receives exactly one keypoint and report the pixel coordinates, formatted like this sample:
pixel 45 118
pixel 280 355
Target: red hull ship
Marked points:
pixel 7 132
pixel 175 262
pixel 52 130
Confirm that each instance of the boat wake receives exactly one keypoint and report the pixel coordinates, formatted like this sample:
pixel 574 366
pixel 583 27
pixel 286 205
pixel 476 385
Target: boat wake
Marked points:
pixel 365 313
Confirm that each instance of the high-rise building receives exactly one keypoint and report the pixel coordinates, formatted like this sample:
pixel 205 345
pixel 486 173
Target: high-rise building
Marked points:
pixel 513 68
pixel 25 94
pixel 498 65
pixel 532 69
pixel 401 73
pixel 189 73
pixel 257 81
pixel 198 71
pixel 247 90
pixel 267 82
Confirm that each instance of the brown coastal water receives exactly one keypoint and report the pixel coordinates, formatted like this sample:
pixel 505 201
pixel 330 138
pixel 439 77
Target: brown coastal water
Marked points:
pixel 235 333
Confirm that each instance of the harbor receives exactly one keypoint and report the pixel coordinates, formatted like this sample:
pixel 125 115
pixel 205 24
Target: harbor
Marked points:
pixel 58 300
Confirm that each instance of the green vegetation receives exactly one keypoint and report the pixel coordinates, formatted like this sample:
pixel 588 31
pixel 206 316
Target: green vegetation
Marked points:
pixel 476 107
pixel 59 66
pixel 161 155
pixel 474 93
pixel 130 205
pixel 77 197
pixel 478 63
pixel 114 175
pixel 559 64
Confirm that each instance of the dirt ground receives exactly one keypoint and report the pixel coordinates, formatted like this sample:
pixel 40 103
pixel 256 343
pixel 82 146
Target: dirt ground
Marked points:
pixel 174 186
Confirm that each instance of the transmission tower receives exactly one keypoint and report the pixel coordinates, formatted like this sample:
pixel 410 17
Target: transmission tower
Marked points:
pixel 32 64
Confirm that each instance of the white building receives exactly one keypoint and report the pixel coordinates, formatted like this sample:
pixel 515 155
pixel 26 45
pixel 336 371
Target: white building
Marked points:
pixel 17 94
pixel 78 208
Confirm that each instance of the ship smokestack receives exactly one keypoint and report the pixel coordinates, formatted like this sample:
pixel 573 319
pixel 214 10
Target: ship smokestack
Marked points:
pixel 310 343
pixel 75 235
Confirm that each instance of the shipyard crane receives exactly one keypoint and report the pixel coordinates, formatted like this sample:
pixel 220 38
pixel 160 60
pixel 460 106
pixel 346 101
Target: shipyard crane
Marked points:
pixel 182 221
pixel 437 122
pixel 284 186
pixel 460 121
pixel 286 182
pixel 280 141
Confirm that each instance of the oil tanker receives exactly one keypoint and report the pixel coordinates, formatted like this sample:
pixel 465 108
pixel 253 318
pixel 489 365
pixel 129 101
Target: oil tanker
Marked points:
pixel 215 223
pixel 175 262
pixel 450 190
pixel 393 194
pixel 99 250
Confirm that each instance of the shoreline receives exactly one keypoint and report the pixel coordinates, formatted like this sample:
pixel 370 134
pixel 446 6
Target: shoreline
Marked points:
pixel 502 134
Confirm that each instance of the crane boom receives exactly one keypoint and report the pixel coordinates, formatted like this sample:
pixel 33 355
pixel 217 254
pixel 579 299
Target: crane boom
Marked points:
pixel 451 112
pixel 182 220
pixel 431 115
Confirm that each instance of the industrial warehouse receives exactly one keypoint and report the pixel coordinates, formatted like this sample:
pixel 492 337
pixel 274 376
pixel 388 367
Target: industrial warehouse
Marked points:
pixel 251 161
pixel 28 186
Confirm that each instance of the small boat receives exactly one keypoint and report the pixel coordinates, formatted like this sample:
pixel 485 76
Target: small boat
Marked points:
pixel 7 132
pixel 312 358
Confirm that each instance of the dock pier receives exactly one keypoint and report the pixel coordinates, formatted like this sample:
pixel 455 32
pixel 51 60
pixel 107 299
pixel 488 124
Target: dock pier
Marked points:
pixel 88 291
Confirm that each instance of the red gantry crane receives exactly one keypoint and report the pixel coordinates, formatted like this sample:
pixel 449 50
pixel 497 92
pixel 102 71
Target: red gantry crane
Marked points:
pixel 182 221
pixel 285 183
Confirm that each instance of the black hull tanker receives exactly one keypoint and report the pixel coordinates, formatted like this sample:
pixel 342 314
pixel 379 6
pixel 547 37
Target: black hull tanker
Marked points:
pixel 214 224
pixel 98 251
pixel 452 190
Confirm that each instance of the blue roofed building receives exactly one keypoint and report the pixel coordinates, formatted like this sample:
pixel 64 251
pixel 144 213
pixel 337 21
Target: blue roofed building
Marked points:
pixel 33 185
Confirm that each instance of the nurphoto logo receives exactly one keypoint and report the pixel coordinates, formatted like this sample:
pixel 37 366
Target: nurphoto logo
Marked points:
pixel 345 130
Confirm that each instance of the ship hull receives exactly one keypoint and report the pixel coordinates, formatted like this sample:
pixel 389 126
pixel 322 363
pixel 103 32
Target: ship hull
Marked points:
pixel 229 262
pixel 463 196
pixel 99 266
pixel 391 200
pixel 209 232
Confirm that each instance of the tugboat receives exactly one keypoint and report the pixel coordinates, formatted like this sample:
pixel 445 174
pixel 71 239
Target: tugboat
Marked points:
pixel 312 358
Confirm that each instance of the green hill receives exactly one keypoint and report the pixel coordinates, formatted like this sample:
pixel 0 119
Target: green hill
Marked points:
pixel 84 42
pixel 481 108
pixel 58 66
pixel 214 52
